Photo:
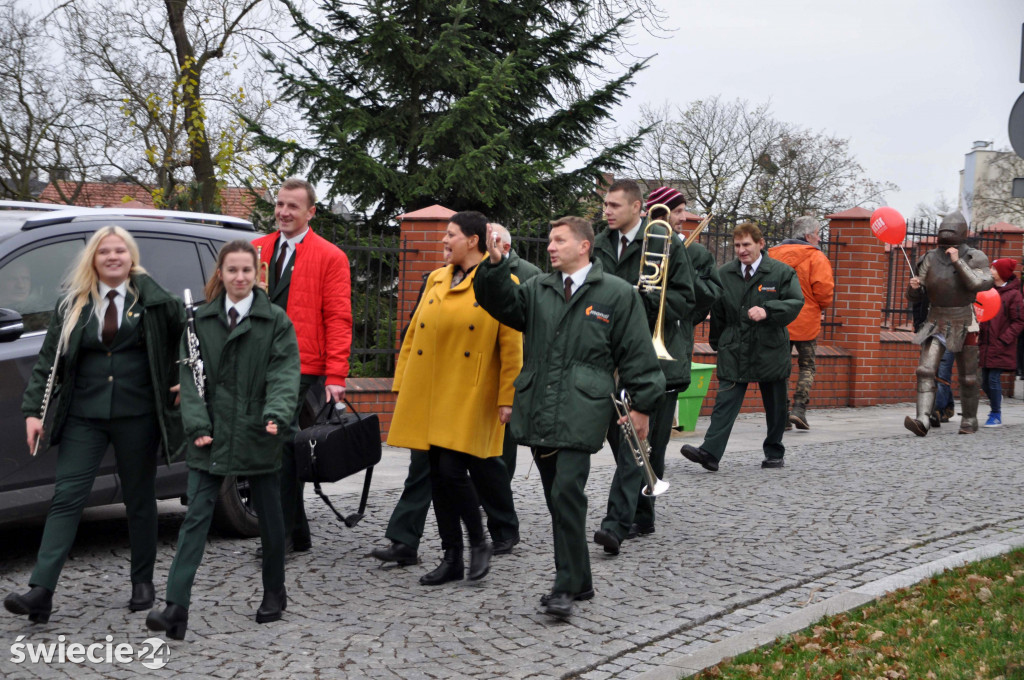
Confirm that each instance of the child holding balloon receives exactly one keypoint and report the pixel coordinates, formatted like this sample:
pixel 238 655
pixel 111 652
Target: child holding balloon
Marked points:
pixel 997 341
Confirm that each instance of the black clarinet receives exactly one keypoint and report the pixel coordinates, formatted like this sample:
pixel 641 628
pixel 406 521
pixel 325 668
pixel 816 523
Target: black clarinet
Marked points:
pixel 194 360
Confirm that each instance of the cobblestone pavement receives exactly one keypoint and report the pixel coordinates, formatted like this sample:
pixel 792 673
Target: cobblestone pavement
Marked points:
pixel 859 499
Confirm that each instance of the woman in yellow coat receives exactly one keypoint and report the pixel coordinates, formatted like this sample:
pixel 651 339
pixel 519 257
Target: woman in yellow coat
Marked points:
pixel 454 382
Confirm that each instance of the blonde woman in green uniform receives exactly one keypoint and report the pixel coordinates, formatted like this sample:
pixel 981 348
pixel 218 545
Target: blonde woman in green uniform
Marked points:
pixel 251 360
pixel 119 330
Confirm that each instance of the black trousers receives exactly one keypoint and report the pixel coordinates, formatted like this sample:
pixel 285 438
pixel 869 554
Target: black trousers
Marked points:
pixel 455 478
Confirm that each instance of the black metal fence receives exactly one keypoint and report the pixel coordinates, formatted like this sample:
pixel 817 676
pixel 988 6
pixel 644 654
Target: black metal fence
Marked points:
pixel 897 313
pixel 375 262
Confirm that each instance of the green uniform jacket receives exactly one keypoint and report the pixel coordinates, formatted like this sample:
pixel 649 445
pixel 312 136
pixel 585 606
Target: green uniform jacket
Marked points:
pixel 520 268
pixel 751 351
pixel 163 318
pixel 680 298
pixel 252 376
pixel 706 283
pixel 563 395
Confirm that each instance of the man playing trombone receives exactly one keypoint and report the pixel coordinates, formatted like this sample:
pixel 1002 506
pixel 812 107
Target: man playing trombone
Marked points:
pixel 629 249
pixel 579 326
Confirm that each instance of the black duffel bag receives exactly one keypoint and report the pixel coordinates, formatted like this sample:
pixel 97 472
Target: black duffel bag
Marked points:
pixel 337 445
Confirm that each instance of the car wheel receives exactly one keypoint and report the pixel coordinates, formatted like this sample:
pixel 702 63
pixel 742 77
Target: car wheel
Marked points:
pixel 234 514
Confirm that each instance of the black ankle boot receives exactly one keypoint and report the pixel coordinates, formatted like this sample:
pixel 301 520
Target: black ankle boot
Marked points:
pixel 479 560
pixel 274 602
pixel 37 604
pixel 450 569
pixel 173 619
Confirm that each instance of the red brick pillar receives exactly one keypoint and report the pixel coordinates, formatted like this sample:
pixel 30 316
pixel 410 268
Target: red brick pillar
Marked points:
pixel 422 231
pixel 860 296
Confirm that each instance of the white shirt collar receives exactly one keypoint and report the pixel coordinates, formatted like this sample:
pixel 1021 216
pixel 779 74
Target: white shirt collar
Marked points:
pixel 578 277
pixel 295 239
pixel 631 234
pixel 753 267
pixel 243 306
pixel 121 289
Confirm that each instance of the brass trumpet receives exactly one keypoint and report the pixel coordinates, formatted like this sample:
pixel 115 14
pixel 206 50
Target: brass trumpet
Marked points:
pixel 263 280
pixel 654 273
pixel 640 448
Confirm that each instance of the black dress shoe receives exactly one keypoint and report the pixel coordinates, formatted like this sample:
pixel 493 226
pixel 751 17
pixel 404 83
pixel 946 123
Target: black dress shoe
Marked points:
pixel 274 602
pixel 479 561
pixel 450 569
pixel 173 619
pixel 637 530
pixel 301 544
pixel 773 463
pixel 505 547
pixel 396 552
pixel 700 456
pixel 559 605
pixel 609 540
pixel 289 547
pixel 582 595
pixel 143 596
pixel 37 604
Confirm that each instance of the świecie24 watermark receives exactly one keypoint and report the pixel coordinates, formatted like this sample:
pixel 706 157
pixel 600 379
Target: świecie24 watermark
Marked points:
pixel 153 653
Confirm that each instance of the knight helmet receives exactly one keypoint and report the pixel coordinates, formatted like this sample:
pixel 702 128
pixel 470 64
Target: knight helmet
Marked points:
pixel 953 229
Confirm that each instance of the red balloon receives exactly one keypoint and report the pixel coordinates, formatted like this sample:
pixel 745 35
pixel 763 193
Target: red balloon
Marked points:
pixel 987 304
pixel 888 224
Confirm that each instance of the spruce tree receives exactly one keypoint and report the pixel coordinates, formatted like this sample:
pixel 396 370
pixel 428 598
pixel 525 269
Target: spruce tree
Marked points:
pixel 489 105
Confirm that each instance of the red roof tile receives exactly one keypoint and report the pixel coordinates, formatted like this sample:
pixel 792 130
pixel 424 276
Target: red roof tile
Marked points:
pixel 235 201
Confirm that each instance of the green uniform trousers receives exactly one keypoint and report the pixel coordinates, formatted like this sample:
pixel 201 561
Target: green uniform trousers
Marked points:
pixel 85 441
pixel 495 491
pixel 728 401
pixel 296 524
pixel 202 496
pixel 563 474
pixel 626 503
pixel 660 434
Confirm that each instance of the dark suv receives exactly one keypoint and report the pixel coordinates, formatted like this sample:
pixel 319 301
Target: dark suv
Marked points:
pixel 37 245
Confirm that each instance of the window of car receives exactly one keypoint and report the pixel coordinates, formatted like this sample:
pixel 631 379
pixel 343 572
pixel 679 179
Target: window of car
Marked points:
pixel 174 264
pixel 30 282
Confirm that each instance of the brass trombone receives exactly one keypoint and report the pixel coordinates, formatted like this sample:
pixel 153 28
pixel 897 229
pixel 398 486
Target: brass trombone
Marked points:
pixel 640 447
pixel 654 273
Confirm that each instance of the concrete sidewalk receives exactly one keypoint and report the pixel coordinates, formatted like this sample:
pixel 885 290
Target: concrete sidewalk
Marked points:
pixel 739 556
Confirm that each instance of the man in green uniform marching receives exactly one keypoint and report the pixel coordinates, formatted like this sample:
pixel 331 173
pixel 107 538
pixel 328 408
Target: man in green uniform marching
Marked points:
pixel 760 297
pixel 619 249
pixel 580 325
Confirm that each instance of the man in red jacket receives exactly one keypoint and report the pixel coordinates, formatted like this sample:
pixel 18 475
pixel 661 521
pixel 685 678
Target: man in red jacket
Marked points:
pixel 815 273
pixel 309 278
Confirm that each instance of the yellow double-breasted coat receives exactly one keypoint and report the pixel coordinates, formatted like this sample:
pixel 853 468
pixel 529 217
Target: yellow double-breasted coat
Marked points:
pixel 456 367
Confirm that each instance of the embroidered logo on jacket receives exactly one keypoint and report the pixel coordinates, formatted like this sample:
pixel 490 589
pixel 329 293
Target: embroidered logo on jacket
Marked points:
pixel 767 288
pixel 598 314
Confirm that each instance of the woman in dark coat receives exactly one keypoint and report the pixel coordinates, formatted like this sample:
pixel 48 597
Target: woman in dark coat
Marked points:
pixel 251 364
pixel 118 332
pixel 997 341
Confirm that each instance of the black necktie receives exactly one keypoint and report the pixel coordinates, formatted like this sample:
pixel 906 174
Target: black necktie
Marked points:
pixel 110 320
pixel 233 316
pixel 279 265
pixel 568 288
pixel 622 250
pixel 750 272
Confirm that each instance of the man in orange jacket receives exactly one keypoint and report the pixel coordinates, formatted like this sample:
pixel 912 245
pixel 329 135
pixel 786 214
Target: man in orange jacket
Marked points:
pixel 815 273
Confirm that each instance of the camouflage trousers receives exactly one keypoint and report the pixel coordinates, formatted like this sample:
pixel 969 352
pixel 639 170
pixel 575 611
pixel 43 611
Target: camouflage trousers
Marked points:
pixel 805 360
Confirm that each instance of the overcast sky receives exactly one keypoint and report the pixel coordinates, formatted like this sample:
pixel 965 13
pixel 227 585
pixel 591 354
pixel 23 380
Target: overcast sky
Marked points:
pixel 911 83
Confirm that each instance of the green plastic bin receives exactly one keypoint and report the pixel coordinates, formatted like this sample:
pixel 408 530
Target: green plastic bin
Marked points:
pixel 692 399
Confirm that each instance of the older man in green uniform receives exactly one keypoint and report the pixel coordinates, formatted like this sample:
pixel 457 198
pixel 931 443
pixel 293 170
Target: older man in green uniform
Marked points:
pixel 760 297
pixel 619 249
pixel 580 325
